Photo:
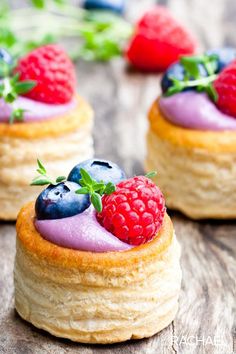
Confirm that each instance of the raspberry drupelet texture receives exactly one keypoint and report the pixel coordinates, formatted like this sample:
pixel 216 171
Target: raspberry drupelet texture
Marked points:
pixel 134 212
pixel 53 71
pixel 225 86
pixel 159 41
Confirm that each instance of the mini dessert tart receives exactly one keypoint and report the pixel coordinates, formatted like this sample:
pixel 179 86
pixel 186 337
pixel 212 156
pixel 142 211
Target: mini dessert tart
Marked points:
pixel 41 115
pixel 98 261
pixel 191 140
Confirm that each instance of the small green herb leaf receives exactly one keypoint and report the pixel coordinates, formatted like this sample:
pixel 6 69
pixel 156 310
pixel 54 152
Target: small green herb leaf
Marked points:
pixel 60 179
pixel 83 190
pixel 24 86
pixel 196 78
pixel 110 188
pixel 17 115
pixel 40 181
pixel 41 167
pixel 151 174
pixel 94 189
pixel 97 202
pixel 86 177
pixel 40 4
pixel 44 179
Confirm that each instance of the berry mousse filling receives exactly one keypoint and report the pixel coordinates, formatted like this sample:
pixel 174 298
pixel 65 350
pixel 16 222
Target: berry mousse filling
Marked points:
pixel 97 209
pixel 34 111
pixel 81 232
pixel 194 110
pixel 199 91
pixel 41 85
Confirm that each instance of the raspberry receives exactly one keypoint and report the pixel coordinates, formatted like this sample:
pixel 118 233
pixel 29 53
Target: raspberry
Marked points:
pixel 134 212
pixel 53 71
pixel 225 86
pixel 159 41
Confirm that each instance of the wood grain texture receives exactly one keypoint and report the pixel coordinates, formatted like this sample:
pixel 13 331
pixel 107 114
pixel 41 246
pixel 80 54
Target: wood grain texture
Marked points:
pixel 206 320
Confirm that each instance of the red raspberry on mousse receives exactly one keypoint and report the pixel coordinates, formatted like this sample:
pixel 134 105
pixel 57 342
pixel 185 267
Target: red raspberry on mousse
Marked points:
pixel 53 72
pixel 134 212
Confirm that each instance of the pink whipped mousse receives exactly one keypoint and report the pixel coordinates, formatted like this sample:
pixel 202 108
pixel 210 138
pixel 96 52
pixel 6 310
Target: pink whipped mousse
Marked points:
pixel 80 232
pixel 35 111
pixel 195 111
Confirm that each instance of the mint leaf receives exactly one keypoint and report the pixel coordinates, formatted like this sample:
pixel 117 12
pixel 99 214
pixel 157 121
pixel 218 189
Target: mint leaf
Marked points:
pixel 39 4
pixel 17 115
pixel 110 188
pixel 24 86
pixel 151 174
pixel 212 93
pixel 40 182
pixel 190 66
pixel 60 179
pixel 96 201
pixel 86 178
pixel 83 190
pixel 194 77
pixel 41 167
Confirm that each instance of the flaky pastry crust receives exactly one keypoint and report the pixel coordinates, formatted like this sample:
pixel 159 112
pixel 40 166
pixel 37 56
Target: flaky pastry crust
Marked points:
pixel 196 169
pixel 96 297
pixel 60 143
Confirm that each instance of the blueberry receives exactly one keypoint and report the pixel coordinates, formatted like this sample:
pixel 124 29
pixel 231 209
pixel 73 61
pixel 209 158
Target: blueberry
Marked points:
pixel 176 70
pixel 5 57
pixel 110 5
pixel 225 56
pixel 100 170
pixel 60 201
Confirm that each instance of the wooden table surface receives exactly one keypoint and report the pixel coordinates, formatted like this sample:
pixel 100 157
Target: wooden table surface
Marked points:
pixel 206 319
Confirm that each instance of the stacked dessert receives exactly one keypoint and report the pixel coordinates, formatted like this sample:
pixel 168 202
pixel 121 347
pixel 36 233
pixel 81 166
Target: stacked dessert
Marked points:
pixel 192 135
pixel 41 116
pixel 97 260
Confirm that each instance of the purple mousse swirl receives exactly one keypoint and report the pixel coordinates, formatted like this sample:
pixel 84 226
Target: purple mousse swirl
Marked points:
pixel 34 111
pixel 80 232
pixel 195 111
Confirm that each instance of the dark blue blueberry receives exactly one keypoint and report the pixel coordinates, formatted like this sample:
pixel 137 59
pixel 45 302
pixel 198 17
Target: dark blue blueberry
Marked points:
pixel 100 170
pixel 109 5
pixel 225 56
pixel 60 201
pixel 5 56
pixel 176 70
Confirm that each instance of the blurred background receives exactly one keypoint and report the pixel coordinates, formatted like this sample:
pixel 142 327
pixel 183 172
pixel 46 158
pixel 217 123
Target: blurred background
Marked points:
pixel 120 93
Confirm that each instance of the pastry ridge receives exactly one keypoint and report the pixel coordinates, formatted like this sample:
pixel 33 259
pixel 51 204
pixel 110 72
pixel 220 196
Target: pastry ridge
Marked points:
pixel 214 141
pixel 65 123
pixel 191 167
pixel 60 143
pixel 96 298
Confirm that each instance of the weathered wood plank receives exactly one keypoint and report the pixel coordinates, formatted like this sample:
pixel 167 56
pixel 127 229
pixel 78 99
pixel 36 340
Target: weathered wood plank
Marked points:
pixel 121 99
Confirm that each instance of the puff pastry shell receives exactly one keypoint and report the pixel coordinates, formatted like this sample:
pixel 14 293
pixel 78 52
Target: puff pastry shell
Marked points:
pixel 196 169
pixel 96 297
pixel 60 143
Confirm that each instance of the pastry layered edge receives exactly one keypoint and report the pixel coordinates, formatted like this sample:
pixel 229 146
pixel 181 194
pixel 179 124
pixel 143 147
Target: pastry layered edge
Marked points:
pixel 196 169
pixel 59 148
pixel 210 141
pixel 96 297
pixel 53 127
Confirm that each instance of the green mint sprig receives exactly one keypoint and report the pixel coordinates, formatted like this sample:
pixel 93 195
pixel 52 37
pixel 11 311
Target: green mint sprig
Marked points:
pixel 11 88
pixel 43 179
pixel 194 77
pixel 151 174
pixel 94 189
pixel 100 35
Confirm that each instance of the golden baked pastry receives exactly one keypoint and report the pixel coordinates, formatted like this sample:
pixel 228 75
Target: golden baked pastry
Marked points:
pixel 60 142
pixel 196 168
pixel 96 297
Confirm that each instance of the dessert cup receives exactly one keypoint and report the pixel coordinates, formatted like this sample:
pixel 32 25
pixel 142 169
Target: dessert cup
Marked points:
pixel 93 297
pixel 59 141
pixel 195 168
